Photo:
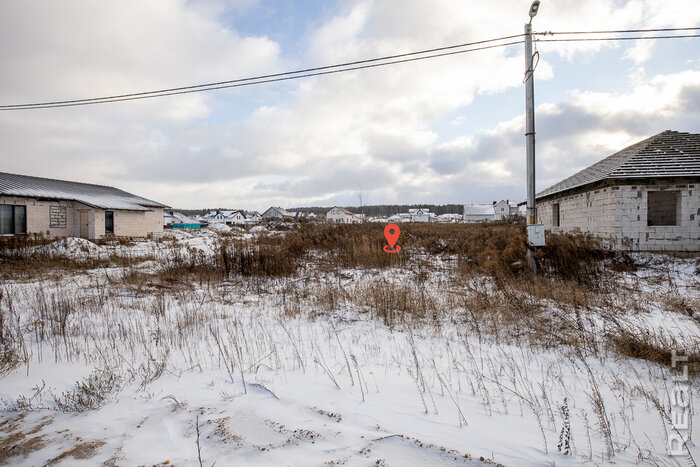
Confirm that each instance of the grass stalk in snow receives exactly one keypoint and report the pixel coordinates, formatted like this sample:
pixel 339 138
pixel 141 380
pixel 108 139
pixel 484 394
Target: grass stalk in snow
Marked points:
pixel 460 415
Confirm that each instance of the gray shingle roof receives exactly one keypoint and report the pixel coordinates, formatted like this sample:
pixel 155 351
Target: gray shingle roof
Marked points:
pixel 98 196
pixel 668 154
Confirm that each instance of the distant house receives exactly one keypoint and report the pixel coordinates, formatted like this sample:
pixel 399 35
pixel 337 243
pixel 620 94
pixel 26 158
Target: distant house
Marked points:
pixel 177 219
pixel 234 217
pixel 421 215
pixel 478 213
pixel 224 217
pixel 278 213
pixel 449 218
pixel 342 216
pixel 503 209
pixel 60 208
pixel 645 197
pixel 401 217
pixel 252 218
pixel 212 217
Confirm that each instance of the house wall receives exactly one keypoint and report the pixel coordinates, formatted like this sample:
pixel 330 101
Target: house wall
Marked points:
pixel 501 210
pixel 126 223
pixel 618 214
pixel 39 214
pixel 131 223
pixel 237 218
pixel 338 216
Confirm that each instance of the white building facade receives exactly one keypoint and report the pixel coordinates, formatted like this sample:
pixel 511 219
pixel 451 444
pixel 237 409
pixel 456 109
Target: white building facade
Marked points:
pixel 340 215
pixel 504 208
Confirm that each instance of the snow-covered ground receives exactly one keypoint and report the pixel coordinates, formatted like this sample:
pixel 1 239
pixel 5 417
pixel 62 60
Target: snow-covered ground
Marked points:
pixel 305 370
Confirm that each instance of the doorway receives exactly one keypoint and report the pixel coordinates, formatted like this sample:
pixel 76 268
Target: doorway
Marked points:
pixel 84 224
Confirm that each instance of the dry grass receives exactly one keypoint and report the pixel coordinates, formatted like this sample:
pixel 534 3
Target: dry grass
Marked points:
pixel 15 441
pixel 284 301
pixel 84 450
pixel 487 282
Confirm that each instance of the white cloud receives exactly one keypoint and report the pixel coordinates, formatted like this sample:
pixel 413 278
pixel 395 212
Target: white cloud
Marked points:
pixel 321 139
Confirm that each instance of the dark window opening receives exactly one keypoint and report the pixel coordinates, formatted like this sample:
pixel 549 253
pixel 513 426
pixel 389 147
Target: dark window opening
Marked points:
pixel 109 222
pixel 662 207
pixel 555 214
pixel 13 219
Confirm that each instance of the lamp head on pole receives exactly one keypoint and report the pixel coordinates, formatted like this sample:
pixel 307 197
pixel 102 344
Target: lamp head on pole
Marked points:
pixel 533 9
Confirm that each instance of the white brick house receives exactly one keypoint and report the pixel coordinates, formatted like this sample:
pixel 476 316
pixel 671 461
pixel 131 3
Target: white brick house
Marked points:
pixel 422 215
pixel 57 208
pixel 645 197
pixel 224 217
pixel 342 216
pixel 504 208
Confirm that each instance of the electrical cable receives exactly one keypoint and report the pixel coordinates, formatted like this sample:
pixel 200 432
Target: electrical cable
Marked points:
pixel 248 83
pixel 619 31
pixel 266 78
pixel 635 38
pixel 355 65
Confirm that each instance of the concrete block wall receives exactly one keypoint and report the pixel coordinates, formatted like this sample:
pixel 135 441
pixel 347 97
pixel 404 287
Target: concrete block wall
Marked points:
pixel 126 223
pixel 97 224
pixel 685 236
pixel 136 223
pixel 591 212
pixel 154 221
pixel 618 215
pixel 39 216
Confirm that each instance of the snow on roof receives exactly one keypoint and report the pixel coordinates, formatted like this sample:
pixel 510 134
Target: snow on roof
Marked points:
pixel 180 217
pixel 282 211
pixel 668 154
pixel 478 210
pixel 97 196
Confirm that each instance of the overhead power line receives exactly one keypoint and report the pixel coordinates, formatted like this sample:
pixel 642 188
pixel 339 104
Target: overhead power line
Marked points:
pixel 357 65
pixel 627 38
pixel 618 31
pixel 316 71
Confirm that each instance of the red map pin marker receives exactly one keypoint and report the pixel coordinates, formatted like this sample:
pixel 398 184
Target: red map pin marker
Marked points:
pixel 391 233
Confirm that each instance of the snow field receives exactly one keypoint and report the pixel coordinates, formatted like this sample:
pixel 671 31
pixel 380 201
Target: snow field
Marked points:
pixel 271 374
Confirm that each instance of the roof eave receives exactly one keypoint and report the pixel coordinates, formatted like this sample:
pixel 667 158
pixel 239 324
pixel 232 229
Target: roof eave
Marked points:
pixel 605 182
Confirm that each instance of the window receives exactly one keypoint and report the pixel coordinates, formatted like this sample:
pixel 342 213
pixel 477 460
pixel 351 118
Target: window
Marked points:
pixel 662 207
pixel 109 222
pixel 555 214
pixel 13 219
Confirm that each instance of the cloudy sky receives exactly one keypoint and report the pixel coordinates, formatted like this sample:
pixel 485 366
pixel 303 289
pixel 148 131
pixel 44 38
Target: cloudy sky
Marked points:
pixel 445 130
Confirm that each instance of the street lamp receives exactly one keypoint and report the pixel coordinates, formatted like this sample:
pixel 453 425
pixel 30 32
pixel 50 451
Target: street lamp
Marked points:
pixel 533 9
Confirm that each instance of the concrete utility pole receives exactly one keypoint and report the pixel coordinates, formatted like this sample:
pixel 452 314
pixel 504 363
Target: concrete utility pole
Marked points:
pixel 533 231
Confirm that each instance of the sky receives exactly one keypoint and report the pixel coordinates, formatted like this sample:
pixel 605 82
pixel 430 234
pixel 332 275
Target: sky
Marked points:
pixel 445 130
